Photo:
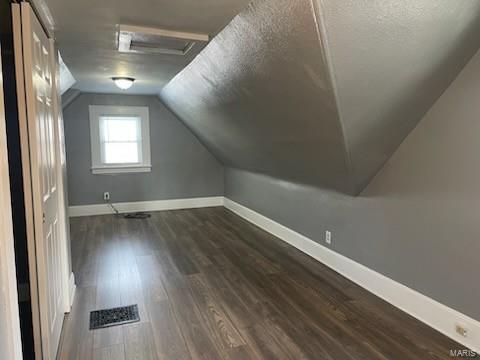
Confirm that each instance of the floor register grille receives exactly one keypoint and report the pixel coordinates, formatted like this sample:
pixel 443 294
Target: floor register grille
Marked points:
pixel 113 317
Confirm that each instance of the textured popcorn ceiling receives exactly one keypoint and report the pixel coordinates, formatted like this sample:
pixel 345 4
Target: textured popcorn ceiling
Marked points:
pixel 322 92
pixel 87 36
pixel 319 92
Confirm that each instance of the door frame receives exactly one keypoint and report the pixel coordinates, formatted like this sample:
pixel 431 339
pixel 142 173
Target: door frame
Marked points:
pixel 10 331
pixel 32 226
pixel 68 280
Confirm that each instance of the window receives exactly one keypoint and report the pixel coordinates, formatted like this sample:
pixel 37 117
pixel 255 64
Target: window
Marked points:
pixel 120 139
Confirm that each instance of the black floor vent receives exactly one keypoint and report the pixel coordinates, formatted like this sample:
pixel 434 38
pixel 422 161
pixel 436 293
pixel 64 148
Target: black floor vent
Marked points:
pixel 138 215
pixel 112 317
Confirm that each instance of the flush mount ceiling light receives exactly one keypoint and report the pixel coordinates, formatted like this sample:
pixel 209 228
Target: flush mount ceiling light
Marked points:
pixel 123 83
pixel 145 40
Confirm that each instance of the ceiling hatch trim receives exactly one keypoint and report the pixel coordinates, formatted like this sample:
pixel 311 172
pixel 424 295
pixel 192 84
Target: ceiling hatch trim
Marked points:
pixel 147 40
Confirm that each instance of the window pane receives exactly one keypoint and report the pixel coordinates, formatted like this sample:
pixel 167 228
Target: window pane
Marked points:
pixel 121 153
pixel 120 128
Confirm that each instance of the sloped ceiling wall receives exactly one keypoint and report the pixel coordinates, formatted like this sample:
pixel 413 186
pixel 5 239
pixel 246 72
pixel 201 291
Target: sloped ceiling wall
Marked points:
pixel 322 92
pixel 392 60
pixel 260 96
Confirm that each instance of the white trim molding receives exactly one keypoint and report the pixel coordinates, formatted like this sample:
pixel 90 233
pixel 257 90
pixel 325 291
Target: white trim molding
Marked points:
pixel 121 170
pixel 423 308
pixel 159 205
pixel 71 290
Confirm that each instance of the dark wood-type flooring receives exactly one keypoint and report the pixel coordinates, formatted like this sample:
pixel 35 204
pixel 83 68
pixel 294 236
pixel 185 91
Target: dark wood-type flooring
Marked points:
pixel 210 285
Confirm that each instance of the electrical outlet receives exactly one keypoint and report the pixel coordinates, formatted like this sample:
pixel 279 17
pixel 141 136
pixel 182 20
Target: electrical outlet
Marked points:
pixel 461 330
pixel 328 237
pixel 106 196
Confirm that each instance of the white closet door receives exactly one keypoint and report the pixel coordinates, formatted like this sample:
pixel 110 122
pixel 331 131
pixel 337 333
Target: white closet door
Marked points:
pixel 43 138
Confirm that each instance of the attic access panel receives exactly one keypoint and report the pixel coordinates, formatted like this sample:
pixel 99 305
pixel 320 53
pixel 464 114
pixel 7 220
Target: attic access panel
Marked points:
pixel 145 40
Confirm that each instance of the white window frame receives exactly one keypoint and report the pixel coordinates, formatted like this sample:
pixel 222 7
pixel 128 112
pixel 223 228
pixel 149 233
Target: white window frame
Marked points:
pixel 99 111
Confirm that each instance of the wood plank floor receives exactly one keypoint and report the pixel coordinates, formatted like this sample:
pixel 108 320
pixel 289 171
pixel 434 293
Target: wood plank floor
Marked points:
pixel 209 285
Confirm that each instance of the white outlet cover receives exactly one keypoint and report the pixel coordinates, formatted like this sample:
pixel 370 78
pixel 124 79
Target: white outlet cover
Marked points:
pixel 461 330
pixel 328 237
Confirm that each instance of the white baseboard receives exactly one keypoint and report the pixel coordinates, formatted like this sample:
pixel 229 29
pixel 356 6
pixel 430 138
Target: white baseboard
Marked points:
pixel 425 309
pixel 175 204
pixel 71 289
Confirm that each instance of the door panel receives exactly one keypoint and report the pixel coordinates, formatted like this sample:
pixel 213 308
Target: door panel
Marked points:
pixel 43 145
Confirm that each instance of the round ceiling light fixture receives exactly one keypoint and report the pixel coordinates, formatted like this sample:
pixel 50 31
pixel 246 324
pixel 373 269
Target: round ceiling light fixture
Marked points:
pixel 123 83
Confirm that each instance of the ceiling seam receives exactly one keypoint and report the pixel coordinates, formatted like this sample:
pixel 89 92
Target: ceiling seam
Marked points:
pixel 321 31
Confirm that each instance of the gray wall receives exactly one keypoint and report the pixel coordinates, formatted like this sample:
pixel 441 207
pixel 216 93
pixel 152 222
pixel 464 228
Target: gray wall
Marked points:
pixel 181 166
pixel 418 221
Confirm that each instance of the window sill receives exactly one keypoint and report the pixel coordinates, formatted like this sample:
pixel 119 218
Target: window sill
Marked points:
pixel 108 170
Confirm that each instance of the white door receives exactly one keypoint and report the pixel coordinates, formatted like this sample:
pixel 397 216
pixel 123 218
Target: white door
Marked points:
pixel 43 138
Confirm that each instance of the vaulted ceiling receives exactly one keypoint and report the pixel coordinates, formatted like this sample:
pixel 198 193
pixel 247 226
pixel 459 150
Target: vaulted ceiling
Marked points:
pixel 319 92
pixel 322 92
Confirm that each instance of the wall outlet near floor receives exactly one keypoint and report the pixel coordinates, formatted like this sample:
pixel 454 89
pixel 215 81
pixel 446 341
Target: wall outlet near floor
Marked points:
pixel 461 330
pixel 106 196
pixel 328 237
